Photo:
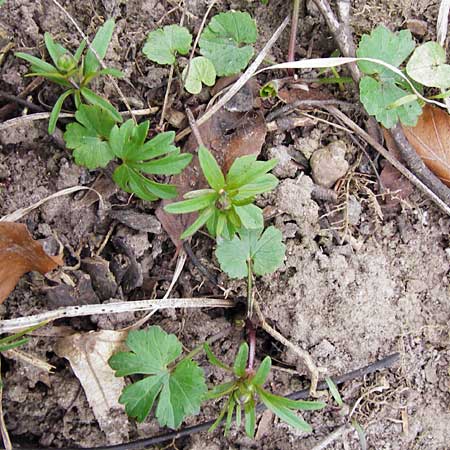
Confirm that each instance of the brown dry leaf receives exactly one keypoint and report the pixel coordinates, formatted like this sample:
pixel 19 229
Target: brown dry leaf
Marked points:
pixel 430 138
pixel 88 355
pixel 228 135
pixel 19 254
pixel 397 186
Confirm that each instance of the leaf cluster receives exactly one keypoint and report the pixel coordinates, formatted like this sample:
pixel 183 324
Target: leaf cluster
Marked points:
pixel 382 91
pixel 96 139
pixel 242 392
pixel 177 387
pixel 74 72
pixel 225 46
pixel 228 205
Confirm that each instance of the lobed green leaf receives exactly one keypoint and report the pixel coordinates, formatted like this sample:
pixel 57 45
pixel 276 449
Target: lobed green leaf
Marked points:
pixel 163 44
pixel 222 41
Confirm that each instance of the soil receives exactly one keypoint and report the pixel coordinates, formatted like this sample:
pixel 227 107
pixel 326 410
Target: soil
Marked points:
pixel 349 294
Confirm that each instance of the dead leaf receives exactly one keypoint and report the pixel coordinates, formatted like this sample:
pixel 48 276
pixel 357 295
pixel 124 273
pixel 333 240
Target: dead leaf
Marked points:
pixel 430 138
pixel 19 254
pixel 88 355
pixel 228 135
pixel 397 186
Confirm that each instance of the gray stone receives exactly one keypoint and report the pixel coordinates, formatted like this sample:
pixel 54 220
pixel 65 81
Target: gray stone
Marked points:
pixel 328 164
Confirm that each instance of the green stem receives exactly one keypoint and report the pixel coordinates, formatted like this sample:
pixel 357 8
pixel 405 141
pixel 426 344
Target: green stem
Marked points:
pixel 249 289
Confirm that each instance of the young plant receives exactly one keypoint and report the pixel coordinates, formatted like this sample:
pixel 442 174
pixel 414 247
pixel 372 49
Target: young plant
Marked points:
pixel 96 140
pixel 382 91
pixel 225 45
pixel 228 205
pixel 242 392
pixel 75 72
pixel 178 387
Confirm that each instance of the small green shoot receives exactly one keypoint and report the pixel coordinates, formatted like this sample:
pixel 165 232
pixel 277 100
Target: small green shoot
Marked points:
pixel 17 340
pixel 381 88
pixel 200 71
pixel 228 205
pixel 163 44
pixel 334 392
pixel 242 392
pixel 75 72
pixel 227 40
pixel 177 387
pixel 269 90
pixel 263 252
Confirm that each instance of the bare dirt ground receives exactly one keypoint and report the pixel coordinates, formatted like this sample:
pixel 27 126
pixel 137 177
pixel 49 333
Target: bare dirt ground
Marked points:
pixel 383 288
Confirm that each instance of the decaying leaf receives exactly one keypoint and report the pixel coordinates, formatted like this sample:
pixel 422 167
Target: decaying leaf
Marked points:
pixel 430 138
pixel 88 354
pixel 19 254
pixel 228 135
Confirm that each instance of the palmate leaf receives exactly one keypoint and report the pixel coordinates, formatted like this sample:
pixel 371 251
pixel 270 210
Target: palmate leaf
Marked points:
pixel 378 98
pixel 163 44
pixel 223 41
pixel 88 137
pixel 178 392
pixel 266 252
pixel 127 142
pixel 387 46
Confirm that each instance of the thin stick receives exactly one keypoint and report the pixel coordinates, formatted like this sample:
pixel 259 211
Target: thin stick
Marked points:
pixel 293 36
pixel 10 325
pixel 303 354
pixel 340 31
pixel 3 430
pixel 240 82
pixel 21 101
pixel 194 127
pixel 169 81
pixel 336 434
pixel 178 269
pixel 305 103
pixel 102 64
pixel 17 121
pixel 18 214
pixel 197 38
pixel 387 155
pixel 418 167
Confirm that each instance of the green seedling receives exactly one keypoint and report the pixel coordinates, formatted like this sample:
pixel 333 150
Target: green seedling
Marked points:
pixel 17 340
pixel 225 45
pixel 178 387
pixel 243 391
pixel 75 72
pixel 381 88
pixel 96 140
pixel 228 205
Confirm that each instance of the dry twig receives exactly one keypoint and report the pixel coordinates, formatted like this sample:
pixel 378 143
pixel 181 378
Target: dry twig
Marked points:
pixel 303 354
